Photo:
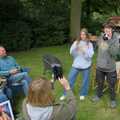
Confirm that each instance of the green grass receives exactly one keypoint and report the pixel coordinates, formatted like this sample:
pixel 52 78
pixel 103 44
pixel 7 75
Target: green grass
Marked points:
pixel 86 110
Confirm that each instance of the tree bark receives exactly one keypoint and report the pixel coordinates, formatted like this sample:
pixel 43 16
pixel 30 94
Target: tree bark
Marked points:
pixel 75 17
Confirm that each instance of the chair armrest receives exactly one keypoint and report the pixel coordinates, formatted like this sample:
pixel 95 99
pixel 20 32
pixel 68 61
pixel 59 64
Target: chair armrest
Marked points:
pixel 25 69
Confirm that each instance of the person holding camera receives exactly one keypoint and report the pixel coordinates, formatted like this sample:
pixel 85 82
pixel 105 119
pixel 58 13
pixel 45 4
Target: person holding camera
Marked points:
pixel 40 103
pixel 82 52
pixel 108 48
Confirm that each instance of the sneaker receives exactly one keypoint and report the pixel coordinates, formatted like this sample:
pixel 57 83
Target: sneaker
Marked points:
pixel 113 104
pixel 95 98
pixel 62 97
pixel 82 97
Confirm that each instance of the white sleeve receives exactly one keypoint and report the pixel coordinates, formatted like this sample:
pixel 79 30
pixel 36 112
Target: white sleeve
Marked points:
pixel 89 52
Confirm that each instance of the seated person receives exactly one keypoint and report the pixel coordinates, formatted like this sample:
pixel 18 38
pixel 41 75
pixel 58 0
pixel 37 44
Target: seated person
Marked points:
pixel 40 103
pixel 3 97
pixel 12 71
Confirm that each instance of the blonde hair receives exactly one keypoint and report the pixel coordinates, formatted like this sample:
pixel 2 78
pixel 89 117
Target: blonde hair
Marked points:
pixel 40 93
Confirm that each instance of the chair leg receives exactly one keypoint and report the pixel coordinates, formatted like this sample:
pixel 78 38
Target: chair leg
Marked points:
pixel 93 84
pixel 118 86
pixel 94 76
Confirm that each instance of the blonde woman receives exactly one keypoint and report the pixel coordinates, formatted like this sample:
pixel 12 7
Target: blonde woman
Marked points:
pixel 82 52
pixel 40 103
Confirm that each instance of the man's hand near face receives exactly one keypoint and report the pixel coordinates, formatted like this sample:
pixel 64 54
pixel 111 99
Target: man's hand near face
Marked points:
pixel 14 71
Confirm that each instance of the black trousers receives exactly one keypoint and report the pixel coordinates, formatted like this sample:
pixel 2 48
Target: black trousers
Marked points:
pixel 111 78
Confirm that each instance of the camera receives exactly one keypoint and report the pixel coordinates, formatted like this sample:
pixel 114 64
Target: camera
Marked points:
pixel 53 64
pixel 57 71
pixel 105 37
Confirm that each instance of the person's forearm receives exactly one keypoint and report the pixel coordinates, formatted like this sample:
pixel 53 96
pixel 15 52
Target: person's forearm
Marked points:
pixel 89 53
pixel 69 93
pixel 73 48
pixel 71 102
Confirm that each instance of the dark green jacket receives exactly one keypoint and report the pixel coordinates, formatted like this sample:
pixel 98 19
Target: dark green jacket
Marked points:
pixel 64 110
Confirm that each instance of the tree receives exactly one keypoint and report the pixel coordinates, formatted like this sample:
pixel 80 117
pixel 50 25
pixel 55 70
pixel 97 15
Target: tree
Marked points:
pixel 75 18
pixel 106 6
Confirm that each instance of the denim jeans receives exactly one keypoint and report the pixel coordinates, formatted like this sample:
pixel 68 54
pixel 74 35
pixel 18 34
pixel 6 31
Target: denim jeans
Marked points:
pixel 85 81
pixel 25 81
pixel 3 97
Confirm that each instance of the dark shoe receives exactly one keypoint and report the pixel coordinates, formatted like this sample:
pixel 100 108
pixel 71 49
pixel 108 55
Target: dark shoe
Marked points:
pixel 95 99
pixel 113 104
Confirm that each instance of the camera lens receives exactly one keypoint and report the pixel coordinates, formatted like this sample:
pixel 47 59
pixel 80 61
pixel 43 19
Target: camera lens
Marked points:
pixel 105 37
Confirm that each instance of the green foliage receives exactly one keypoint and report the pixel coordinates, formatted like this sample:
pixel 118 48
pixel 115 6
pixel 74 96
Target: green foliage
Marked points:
pixel 27 23
pixel 96 12
pixel 9 10
pixel 50 21
pixel 16 35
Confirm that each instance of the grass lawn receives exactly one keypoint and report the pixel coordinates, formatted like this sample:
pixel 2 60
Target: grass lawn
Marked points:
pixel 86 110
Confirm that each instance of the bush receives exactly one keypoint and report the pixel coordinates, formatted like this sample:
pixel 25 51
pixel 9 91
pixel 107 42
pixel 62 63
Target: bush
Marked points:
pixel 16 35
pixel 31 23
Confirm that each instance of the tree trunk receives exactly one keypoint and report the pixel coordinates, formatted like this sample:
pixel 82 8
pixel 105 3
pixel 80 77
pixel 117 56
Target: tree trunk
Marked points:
pixel 75 18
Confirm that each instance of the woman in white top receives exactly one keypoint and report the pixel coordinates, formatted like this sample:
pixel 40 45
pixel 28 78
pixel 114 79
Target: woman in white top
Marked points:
pixel 82 52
